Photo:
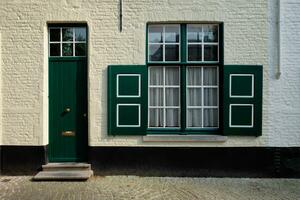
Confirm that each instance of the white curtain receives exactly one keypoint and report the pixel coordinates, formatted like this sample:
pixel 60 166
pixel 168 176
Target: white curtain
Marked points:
pixel 197 91
pixel 164 96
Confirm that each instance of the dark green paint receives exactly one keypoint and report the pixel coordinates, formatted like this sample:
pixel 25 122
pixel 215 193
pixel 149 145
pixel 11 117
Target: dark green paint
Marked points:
pixel 128 85
pixel 238 118
pixel 127 115
pixel 245 81
pixel 241 115
pixel 67 89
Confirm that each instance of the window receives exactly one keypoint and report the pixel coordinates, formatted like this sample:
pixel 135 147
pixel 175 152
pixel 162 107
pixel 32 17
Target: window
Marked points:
pixel 67 41
pixel 183 96
pixel 184 88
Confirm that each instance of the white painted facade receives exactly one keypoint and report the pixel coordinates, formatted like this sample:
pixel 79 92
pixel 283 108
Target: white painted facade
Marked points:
pixel 250 37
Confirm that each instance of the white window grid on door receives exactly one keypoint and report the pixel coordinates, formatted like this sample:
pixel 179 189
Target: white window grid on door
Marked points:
pixel 164 107
pixel 61 42
pixel 202 107
pixel 163 43
pixel 202 43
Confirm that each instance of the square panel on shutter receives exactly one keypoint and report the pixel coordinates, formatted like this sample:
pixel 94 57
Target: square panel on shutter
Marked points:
pixel 241 115
pixel 241 85
pixel 128 85
pixel 128 115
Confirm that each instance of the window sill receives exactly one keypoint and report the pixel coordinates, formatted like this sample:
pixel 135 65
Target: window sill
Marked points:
pixel 184 138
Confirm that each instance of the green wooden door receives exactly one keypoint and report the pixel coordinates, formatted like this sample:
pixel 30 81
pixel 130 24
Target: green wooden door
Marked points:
pixel 67 109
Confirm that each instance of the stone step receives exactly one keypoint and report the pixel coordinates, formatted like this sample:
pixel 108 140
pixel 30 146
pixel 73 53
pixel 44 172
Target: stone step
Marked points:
pixel 67 166
pixel 63 175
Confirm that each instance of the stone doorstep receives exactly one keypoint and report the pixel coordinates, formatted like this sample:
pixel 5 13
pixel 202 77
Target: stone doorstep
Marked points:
pixel 64 171
pixel 66 166
pixel 63 175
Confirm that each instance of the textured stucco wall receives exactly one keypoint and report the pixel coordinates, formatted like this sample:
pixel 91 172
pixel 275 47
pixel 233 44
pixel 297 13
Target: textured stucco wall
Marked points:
pixel 284 93
pixel 25 62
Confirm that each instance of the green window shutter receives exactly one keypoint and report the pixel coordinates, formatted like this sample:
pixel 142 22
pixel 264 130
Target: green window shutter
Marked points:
pixel 242 100
pixel 127 99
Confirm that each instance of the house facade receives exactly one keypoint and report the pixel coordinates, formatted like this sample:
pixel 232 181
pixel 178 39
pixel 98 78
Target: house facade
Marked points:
pixel 79 76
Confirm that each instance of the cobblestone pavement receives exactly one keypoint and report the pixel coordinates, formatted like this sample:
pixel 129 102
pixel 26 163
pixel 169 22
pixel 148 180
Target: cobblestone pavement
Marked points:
pixel 133 187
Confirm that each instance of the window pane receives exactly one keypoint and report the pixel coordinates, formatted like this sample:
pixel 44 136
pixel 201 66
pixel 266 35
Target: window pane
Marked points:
pixel 54 35
pixel 67 34
pixel 194 33
pixel 210 117
pixel 172 52
pixel 210 53
pixel 155 52
pixel 194 52
pixel 172 96
pixel 80 34
pixel 210 33
pixel 172 118
pixel 194 118
pixel 172 75
pixel 210 76
pixel 67 49
pixel 194 96
pixel 156 76
pixel 172 34
pixel 156 117
pixel 210 97
pixel 155 34
pixel 54 49
pixel 156 97
pixel 80 49
pixel 194 76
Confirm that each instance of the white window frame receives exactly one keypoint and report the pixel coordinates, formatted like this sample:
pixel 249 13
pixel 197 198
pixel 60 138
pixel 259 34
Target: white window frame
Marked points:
pixel 164 107
pixel 202 107
pixel 164 43
pixel 61 42
pixel 202 43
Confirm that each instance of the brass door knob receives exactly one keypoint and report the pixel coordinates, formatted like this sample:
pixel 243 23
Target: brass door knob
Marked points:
pixel 67 110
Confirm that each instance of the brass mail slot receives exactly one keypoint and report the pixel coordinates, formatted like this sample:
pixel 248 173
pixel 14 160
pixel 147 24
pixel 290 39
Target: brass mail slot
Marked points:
pixel 68 133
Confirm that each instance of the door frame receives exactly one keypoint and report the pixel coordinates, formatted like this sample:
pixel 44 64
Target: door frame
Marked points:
pixel 46 123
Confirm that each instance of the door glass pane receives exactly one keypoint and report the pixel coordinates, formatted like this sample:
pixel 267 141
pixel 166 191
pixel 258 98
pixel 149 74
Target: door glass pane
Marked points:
pixel 210 76
pixel 80 49
pixel 156 75
pixel 54 35
pixel 156 97
pixel 54 49
pixel 194 96
pixel 172 117
pixel 67 34
pixel 210 33
pixel 156 52
pixel 210 97
pixel 194 33
pixel 155 34
pixel 210 52
pixel 80 34
pixel 171 52
pixel 172 96
pixel 156 117
pixel 194 76
pixel 172 75
pixel 172 34
pixel 210 117
pixel 194 52
pixel 67 49
pixel 194 118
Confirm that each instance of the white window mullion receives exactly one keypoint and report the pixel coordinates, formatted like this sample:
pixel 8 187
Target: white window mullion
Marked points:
pixel 202 46
pixel 164 97
pixel 202 97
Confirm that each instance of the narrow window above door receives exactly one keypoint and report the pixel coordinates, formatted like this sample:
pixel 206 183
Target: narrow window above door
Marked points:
pixel 67 41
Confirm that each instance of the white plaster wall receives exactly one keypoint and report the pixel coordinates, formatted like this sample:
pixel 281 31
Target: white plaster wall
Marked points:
pixel 25 62
pixel 284 95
